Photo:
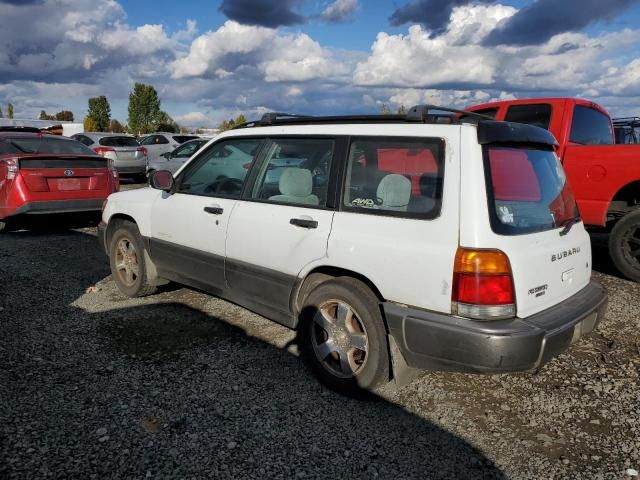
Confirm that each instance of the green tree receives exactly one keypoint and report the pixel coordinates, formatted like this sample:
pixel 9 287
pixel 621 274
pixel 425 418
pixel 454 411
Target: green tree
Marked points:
pixel 1 114
pixel 144 109
pixel 232 123
pixel 166 123
pixel 64 116
pixel 402 110
pixel 99 112
pixel 43 115
pixel 10 110
pixel 89 124
pixel 385 109
pixel 116 127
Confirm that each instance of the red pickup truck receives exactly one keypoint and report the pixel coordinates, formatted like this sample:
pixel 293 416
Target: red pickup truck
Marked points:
pixel 605 177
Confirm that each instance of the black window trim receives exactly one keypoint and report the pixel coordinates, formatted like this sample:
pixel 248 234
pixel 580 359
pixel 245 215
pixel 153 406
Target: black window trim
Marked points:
pixel 393 213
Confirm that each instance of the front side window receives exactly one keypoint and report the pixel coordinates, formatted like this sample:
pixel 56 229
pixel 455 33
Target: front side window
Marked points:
pixel 528 190
pixel 147 140
pixel 590 127
pixel 221 170
pixel 185 151
pixel 537 114
pixel 400 177
pixel 295 171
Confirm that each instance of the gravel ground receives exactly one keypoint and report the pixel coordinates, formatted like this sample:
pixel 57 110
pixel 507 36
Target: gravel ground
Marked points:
pixel 183 385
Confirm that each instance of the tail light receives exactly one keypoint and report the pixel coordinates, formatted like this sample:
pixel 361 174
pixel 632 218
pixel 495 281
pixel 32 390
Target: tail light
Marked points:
pixel 12 168
pixel 102 151
pixel 112 168
pixel 142 150
pixel 483 285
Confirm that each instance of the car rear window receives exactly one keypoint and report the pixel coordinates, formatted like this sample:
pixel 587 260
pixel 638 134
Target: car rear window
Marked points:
pixel 44 144
pixel 537 114
pixel 119 142
pixel 528 190
pixel 184 138
pixel 398 177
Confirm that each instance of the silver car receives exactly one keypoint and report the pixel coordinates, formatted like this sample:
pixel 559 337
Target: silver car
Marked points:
pixel 160 143
pixel 129 157
pixel 172 161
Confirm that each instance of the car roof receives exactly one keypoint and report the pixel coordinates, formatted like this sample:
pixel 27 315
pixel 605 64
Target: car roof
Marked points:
pixel 104 134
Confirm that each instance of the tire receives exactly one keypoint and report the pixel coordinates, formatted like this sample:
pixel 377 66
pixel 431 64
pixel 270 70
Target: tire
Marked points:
pixel 624 245
pixel 3 226
pixel 127 261
pixel 350 356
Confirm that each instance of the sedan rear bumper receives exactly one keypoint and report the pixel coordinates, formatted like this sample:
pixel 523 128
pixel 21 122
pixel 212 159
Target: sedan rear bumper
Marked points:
pixel 445 342
pixel 59 206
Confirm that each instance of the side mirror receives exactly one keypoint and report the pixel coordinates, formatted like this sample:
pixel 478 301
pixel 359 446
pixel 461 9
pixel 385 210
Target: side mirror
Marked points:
pixel 167 155
pixel 162 180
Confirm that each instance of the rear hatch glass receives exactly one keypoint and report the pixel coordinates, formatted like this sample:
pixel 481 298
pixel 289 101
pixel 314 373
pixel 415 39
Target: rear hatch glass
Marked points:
pixel 43 144
pixel 534 214
pixel 529 191
pixel 119 142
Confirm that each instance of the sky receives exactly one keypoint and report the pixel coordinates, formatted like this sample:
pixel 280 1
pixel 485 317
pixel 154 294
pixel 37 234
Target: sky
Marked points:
pixel 212 60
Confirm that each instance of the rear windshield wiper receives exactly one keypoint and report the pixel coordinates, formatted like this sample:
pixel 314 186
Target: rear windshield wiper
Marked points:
pixel 568 224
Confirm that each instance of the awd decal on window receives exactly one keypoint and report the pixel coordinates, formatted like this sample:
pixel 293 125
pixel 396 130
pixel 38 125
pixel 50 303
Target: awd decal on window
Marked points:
pixel 363 202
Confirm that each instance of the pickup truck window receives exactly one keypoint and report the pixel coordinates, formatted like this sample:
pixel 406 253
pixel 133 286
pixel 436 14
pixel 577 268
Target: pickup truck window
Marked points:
pixel 590 127
pixel 537 114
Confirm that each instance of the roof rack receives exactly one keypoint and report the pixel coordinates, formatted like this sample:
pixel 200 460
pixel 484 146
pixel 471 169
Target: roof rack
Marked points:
pixel 623 121
pixel 20 129
pixel 416 114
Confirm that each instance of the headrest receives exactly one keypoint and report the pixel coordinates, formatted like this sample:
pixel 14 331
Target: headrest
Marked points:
pixel 296 182
pixel 394 191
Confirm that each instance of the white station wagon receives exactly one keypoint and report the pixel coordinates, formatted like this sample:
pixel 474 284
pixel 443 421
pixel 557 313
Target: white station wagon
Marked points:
pixel 432 240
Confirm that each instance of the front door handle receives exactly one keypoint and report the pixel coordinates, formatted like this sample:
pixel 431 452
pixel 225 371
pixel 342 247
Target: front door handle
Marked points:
pixel 304 222
pixel 214 210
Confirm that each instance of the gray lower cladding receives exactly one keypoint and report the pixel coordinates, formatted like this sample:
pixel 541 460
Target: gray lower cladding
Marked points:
pixel 137 170
pixel 59 206
pixel 445 342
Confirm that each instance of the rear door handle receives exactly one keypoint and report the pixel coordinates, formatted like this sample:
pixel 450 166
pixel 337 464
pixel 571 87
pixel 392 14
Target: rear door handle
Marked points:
pixel 304 222
pixel 214 210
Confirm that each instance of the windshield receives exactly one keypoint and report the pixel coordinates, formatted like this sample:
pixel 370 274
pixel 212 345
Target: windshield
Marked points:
pixel 46 144
pixel 528 190
pixel 119 142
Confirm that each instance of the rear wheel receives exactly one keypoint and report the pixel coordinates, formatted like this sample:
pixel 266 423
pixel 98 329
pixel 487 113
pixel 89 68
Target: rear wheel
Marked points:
pixel 624 245
pixel 343 337
pixel 3 226
pixel 126 257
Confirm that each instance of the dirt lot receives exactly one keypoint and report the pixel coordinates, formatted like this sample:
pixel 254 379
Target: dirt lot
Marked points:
pixel 183 385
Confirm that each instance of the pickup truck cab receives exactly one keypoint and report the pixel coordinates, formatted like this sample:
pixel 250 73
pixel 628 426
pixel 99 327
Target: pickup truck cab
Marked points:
pixel 604 176
pixel 387 241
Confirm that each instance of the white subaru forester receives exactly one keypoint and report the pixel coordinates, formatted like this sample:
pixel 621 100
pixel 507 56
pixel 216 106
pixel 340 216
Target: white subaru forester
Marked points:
pixel 430 240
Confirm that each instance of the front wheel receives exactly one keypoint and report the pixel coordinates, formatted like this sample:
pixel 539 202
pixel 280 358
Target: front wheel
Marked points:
pixel 126 257
pixel 624 245
pixel 343 338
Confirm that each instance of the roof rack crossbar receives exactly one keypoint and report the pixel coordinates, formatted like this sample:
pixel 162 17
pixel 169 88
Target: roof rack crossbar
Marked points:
pixel 422 113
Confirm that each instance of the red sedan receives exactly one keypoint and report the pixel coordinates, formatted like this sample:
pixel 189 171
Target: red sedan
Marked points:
pixel 43 175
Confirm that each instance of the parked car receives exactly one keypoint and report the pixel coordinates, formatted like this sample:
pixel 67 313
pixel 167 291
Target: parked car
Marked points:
pixel 43 174
pixel 129 158
pixel 172 161
pixel 160 143
pixel 627 130
pixel 391 242
pixel 604 176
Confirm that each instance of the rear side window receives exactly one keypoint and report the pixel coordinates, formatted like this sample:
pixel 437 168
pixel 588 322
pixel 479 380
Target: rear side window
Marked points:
pixel 47 144
pixel 119 142
pixel 590 127
pixel 538 114
pixel 528 190
pixel 398 177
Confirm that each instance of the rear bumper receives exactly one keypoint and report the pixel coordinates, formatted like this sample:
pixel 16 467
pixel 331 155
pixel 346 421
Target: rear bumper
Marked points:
pixel 136 170
pixel 445 342
pixel 59 206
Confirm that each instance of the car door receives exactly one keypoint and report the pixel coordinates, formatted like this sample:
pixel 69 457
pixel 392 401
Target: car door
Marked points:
pixel 189 226
pixel 156 145
pixel 282 224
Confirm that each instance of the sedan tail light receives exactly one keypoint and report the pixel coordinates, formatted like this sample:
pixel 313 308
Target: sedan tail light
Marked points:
pixel 12 168
pixel 483 285
pixel 102 151
pixel 143 150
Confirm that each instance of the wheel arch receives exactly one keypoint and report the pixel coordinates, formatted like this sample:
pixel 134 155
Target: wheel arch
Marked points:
pixel 626 199
pixel 114 221
pixel 321 274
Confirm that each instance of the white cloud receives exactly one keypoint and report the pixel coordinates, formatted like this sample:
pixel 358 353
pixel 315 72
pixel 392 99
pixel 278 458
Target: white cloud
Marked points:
pixel 340 11
pixel 194 119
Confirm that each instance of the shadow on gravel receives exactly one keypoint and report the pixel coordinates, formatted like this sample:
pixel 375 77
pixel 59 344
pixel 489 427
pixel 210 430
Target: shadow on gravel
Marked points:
pixel 167 391
pixel 601 259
